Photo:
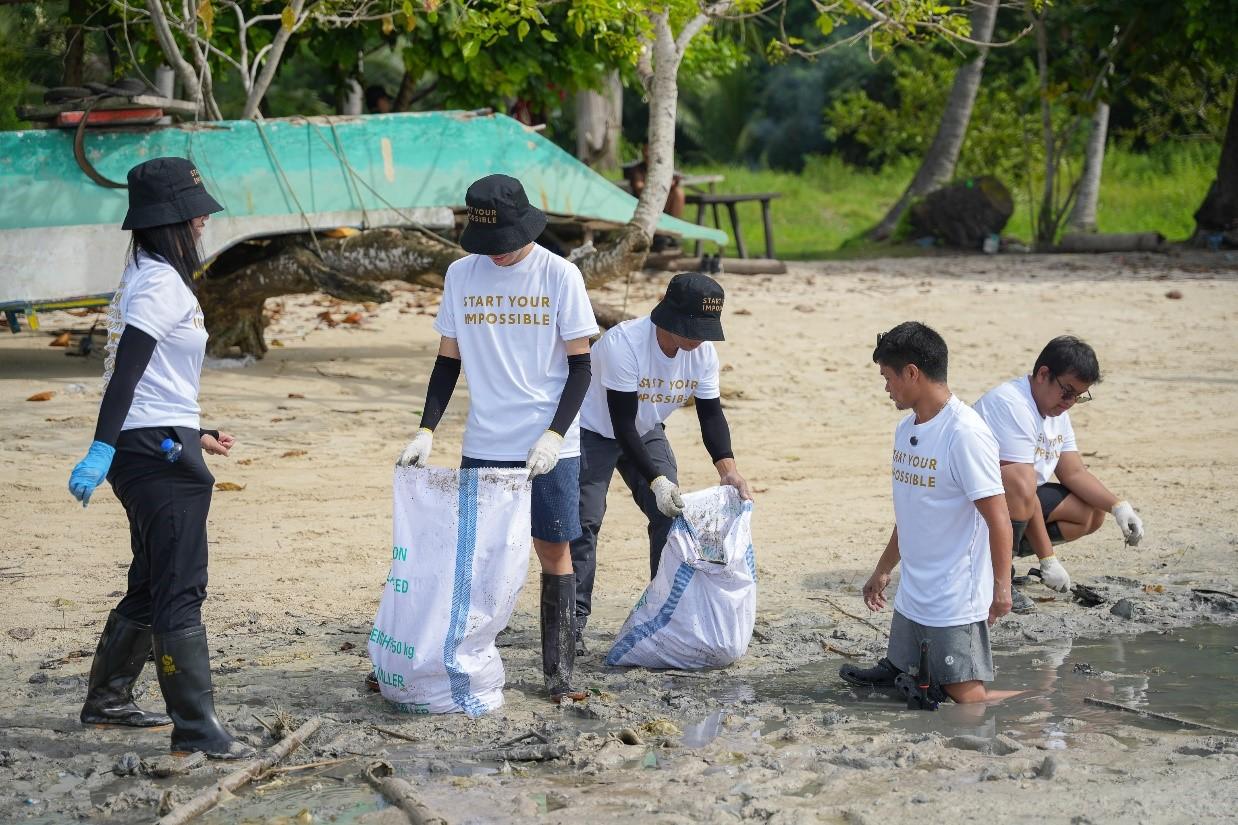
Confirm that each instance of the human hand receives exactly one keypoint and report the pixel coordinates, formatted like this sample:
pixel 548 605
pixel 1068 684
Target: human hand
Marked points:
pixel 1054 575
pixel 734 479
pixel 90 471
pixel 1001 604
pixel 545 454
pixel 670 502
pixel 417 453
pixel 218 446
pixel 874 590
pixel 1128 522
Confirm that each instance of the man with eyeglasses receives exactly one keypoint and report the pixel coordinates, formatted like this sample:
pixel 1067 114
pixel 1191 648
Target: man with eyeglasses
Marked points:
pixel 1031 420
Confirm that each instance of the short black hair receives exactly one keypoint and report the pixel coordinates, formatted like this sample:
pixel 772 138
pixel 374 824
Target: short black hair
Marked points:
pixel 1067 354
pixel 373 94
pixel 912 342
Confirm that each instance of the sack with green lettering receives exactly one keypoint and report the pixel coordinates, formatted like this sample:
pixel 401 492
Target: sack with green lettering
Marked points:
pixel 459 558
pixel 700 608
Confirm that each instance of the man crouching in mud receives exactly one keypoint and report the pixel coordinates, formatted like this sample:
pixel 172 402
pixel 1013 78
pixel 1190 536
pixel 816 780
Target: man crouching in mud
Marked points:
pixel 951 528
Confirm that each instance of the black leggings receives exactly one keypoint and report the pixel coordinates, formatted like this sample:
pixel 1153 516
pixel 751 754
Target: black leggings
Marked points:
pixel 167 503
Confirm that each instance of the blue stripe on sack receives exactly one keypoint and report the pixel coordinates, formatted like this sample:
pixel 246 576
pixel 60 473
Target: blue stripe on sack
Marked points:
pixel 466 543
pixel 751 558
pixel 643 631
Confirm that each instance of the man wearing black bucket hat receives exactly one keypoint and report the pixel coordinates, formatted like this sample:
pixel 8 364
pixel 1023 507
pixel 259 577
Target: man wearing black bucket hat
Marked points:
pixel 148 444
pixel 645 369
pixel 517 319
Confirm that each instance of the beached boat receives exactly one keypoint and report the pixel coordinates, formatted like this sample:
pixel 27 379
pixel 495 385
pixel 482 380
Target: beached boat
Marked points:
pixel 60 239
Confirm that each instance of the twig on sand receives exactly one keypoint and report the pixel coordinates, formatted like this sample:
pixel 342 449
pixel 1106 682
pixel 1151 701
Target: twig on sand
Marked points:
pixel 522 737
pixel 1164 717
pixel 395 733
pixel 850 654
pixel 294 768
pixel 400 794
pixel 849 614
pixel 211 797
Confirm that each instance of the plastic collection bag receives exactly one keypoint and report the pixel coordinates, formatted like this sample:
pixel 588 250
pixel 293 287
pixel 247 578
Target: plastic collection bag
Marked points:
pixel 700 608
pixel 459 558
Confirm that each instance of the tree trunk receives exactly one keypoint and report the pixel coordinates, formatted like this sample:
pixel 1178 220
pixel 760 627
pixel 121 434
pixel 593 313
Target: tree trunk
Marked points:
pixel 1218 214
pixel 663 89
pixel 354 98
pixel 937 168
pixel 599 118
pixel 1083 215
pixel 75 44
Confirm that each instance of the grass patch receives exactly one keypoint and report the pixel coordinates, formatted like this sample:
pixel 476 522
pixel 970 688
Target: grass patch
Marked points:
pixel 824 210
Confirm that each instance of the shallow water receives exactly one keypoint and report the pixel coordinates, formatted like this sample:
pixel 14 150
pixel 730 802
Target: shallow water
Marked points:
pixel 1191 673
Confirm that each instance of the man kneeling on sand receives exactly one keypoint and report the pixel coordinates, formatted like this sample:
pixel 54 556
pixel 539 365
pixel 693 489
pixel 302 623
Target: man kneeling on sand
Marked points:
pixel 951 529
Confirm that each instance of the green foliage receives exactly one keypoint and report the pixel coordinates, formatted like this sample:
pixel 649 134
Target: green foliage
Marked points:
pixel 1178 103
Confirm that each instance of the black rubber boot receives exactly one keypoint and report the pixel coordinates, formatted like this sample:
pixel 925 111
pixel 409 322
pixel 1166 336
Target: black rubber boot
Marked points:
pixel 881 675
pixel 183 662
pixel 559 636
pixel 119 658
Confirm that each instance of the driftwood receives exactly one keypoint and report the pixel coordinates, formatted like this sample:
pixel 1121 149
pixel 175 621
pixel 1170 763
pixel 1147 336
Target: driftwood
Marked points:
pixel 211 797
pixel 1164 717
pixel 400 794
pixel 241 279
pixel 963 214
pixel 1133 242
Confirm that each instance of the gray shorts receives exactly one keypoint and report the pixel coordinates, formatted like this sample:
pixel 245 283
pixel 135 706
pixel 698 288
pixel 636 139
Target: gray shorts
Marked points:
pixel 956 654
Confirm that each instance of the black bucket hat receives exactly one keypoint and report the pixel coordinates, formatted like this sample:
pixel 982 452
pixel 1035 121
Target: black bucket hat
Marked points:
pixel 692 307
pixel 500 217
pixel 164 191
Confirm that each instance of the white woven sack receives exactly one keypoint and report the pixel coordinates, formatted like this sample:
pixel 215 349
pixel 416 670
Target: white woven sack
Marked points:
pixel 700 608
pixel 459 557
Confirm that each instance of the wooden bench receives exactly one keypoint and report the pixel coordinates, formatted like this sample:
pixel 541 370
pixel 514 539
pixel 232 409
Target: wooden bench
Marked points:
pixel 713 201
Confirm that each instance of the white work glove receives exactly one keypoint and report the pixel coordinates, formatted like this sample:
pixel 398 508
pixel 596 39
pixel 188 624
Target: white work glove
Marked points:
pixel 417 453
pixel 670 502
pixel 1128 522
pixel 1054 575
pixel 545 454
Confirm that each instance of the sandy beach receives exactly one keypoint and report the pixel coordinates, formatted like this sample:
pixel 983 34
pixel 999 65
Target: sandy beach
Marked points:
pixel 300 550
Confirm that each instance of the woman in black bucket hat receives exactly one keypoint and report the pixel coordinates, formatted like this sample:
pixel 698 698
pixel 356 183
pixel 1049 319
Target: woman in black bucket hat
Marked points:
pixel 149 445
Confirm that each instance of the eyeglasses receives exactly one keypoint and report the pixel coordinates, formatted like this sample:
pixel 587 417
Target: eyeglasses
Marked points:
pixel 1069 394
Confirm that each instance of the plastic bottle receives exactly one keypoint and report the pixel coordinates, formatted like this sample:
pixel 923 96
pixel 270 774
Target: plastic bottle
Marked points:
pixel 171 449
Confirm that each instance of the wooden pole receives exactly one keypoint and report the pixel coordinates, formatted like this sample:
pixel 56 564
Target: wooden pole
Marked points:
pixel 400 794
pixel 1164 717
pixel 209 798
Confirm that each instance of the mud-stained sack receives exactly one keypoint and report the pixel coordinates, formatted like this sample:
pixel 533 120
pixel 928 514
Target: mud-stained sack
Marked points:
pixel 459 557
pixel 699 610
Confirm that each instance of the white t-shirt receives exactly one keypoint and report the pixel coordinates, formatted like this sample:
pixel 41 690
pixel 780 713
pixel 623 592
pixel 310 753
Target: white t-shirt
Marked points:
pixel 947 572
pixel 511 323
pixel 1024 436
pixel 628 359
pixel 153 297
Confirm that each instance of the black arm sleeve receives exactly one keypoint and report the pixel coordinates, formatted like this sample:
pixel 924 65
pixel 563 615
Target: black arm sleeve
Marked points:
pixel 212 433
pixel 714 430
pixel 622 406
pixel 443 380
pixel 578 376
pixel 133 353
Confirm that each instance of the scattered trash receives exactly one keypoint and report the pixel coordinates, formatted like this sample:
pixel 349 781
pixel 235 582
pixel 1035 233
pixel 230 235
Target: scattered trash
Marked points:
pixel 46 395
pixel 1123 608
pixel 75 389
pixel 1174 295
pixel 294 453
pixel 1087 596
pixel 295 395
pixel 353 318
pixel 61 340
pixel 128 764
pixel 228 486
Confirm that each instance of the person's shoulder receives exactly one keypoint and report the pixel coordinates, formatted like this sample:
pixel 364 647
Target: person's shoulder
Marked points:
pixel 461 266
pixel 556 265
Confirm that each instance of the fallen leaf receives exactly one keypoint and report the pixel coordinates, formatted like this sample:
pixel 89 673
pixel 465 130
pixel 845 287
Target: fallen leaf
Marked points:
pixel 295 395
pixel 61 340
pixel 294 453
pixel 743 311
pixel 353 318
pixel 275 342
pixel 228 487
pixel 42 396
pixel 805 308
pixel 1154 588
pixel 325 317
pixel 246 461
pixel 1174 295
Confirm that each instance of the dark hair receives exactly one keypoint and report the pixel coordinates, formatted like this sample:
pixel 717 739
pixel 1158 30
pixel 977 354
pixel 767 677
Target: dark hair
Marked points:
pixel 174 243
pixel 1067 354
pixel 913 343
pixel 373 94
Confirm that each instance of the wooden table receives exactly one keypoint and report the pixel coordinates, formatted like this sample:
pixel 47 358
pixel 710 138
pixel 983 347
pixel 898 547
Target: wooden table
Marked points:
pixel 713 200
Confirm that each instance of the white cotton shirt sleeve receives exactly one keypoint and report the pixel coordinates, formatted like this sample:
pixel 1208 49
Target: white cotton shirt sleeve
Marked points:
pixel 709 386
pixel 974 464
pixel 1013 422
pixel 445 321
pixel 575 319
pixel 159 300
pixel 620 368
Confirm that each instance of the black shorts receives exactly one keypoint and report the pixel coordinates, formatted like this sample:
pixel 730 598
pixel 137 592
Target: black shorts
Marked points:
pixel 1051 495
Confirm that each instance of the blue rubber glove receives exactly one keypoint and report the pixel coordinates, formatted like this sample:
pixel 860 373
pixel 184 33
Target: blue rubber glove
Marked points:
pixel 90 471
